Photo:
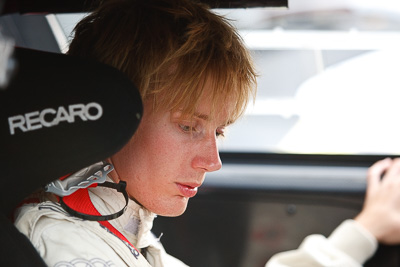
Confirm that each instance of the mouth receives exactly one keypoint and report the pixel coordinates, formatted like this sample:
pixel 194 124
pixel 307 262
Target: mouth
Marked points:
pixel 188 190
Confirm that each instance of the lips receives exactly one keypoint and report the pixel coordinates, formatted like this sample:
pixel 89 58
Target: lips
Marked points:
pixel 187 190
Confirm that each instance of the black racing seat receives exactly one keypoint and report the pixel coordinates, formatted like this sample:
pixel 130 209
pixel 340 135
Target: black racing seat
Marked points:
pixel 58 114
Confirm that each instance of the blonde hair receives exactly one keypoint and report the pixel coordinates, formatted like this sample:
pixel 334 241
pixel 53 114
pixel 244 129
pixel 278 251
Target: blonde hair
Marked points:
pixel 169 49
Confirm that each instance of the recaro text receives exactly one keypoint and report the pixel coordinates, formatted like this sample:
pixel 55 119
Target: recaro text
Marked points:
pixel 51 117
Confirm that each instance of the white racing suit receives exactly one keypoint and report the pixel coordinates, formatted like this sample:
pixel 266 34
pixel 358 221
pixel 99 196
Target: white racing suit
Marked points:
pixel 350 245
pixel 63 240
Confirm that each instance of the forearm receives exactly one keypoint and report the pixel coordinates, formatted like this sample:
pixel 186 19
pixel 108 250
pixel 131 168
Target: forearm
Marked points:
pixel 349 245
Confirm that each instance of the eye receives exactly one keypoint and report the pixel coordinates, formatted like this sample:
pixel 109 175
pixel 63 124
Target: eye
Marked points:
pixel 187 128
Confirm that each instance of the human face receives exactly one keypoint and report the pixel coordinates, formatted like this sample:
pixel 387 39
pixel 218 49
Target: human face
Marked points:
pixel 165 162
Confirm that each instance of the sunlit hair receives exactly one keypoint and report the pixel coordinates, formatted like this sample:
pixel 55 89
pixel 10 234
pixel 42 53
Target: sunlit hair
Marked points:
pixel 169 49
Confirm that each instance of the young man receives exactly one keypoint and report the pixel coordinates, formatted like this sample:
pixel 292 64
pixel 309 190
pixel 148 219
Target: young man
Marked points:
pixel 195 78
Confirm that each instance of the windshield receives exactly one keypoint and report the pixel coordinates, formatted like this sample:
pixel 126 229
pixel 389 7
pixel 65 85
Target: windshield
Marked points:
pixel 328 82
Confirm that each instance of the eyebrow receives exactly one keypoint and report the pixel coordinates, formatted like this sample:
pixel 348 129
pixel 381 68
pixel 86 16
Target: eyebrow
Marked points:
pixel 202 116
pixel 207 118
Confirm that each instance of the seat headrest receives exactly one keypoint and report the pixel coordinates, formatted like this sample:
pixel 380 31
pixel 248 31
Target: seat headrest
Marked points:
pixel 60 114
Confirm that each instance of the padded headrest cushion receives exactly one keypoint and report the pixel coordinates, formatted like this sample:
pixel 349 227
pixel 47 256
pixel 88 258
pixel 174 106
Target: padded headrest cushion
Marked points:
pixel 60 114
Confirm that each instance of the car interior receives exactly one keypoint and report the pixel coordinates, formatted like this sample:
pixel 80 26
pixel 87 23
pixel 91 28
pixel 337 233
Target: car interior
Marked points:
pixel 280 182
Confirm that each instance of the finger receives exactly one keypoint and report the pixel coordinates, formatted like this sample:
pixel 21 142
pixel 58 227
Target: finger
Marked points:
pixel 394 169
pixel 376 170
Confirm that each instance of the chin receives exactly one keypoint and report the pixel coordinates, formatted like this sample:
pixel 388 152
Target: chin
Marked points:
pixel 173 210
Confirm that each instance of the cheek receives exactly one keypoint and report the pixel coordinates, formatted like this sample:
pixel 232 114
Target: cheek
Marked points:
pixel 155 150
pixel 165 143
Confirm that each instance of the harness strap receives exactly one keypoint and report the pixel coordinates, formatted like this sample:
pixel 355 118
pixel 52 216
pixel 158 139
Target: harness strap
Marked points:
pixel 80 202
pixel 120 187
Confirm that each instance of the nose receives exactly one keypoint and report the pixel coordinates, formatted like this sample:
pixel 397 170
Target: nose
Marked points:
pixel 207 156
